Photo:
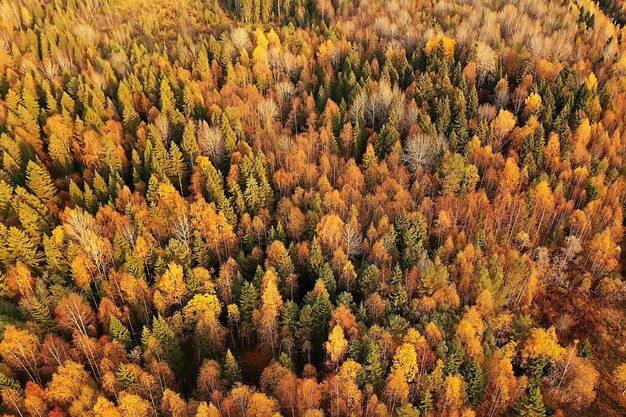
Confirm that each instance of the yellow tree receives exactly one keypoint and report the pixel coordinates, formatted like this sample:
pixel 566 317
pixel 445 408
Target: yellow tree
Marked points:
pixel 619 375
pixel 20 349
pixel 337 345
pixel 204 310
pixel 214 228
pixel 470 331
pixel 105 408
pixel 543 344
pixel 207 410
pixel 405 359
pixel 267 315
pixel 170 288
pixel 396 389
pixel 330 232
pixel 453 395
pixel 133 405
pixel 68 383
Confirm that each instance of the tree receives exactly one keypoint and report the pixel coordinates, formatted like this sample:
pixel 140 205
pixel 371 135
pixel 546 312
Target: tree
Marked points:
pixel 531 403
pixel 421 149
pixel 396 389
pixel 405 359
pixel 619 374
pixel 474 382
pixel 132 405
pixel 398 299
pixel 163 339
pixel 330 231
pixel 337 345
pixel 203 310
pixel 269 312
pixel 543 344
pixel 68 383
pixel 232 372
pixel 119 332
pixel 73 314
pixel 20 349
pixel 40 183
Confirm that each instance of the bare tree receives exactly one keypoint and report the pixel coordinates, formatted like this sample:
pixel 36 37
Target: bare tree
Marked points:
pixel 421 150
pixel 162 125
pixel 211 142
pixel 486 62
pixel 268 110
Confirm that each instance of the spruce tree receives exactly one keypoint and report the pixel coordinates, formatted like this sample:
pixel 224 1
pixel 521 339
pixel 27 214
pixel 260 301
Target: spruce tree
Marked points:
pixel 41 314
pixel 373 368
pixel 232 372
pixel 454 358
pixel 119 332
pixel 177 165
pixel 531 403
pixel 398 299
pixel 169 343
pixel 426 405
pixel 322 309
pixel 474 382
pixel 326 275
pixel 125 376
pixel 248 301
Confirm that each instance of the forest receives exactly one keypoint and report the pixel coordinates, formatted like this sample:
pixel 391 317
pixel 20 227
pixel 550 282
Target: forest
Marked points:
pixel 310 208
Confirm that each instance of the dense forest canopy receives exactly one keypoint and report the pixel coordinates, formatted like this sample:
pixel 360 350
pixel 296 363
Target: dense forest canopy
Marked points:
pixel 307 208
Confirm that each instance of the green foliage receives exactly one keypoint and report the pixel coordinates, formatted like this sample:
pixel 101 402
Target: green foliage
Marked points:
pixel 232 372
pixel 119 332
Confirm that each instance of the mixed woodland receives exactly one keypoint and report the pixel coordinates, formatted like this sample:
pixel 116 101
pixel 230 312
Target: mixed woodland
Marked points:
pixel 309 208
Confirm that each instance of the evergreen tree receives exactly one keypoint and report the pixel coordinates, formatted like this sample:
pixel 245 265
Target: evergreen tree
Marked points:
pixel 119 332
pixel 177 165
pixel 474 382
pixel 426 404
pixel 40 183
pixel 369 279
pixel 386 139
pixel 373 368
pixel 398 299
pixel 169 343
pixel 531 403
pixel 248 301
pixel 326 275
pixel 41 314
pixel 232 372
pixel 316 259
pixel 321 309
pixel 454 358
pixel 125 376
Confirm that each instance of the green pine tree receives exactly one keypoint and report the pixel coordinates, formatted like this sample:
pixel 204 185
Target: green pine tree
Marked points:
pixel 531 403
pixel 177 165
pixel 326 275
pixel 125 376
pixel 169 343
pixel 41 314
pixel 232 372
pixel 248 301
pixel 474 382
pixel 373 368
pixel 119 332
pixel 8 382
pixel 454 358
pixel 398 299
